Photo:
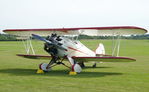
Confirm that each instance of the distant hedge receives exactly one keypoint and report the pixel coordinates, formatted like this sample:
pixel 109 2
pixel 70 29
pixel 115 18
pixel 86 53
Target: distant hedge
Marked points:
pixel 7 37
pixel 137 37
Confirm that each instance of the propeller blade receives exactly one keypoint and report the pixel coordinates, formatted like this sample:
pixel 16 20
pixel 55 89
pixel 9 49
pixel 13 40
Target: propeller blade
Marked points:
pixel 49 42
pixel 40 38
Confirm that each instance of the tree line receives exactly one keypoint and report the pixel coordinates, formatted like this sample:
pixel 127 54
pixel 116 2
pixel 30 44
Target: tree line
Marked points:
pixel 7 37
pixel 137 37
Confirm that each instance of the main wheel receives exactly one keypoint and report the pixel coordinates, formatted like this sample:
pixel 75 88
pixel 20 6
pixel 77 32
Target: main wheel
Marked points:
pixel 77 68
pixel 43 66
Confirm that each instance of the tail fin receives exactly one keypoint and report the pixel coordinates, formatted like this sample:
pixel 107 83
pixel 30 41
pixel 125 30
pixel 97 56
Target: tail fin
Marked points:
pixel 100 50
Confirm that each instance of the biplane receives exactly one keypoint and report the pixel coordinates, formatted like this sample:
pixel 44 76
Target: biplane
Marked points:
pixel 63 44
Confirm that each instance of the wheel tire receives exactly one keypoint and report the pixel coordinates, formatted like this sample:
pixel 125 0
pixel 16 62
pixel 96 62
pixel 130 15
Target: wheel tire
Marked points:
pixel 43 66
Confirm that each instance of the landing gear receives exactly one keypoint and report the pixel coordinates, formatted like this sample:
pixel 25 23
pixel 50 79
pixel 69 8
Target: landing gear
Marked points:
pixel 76 68
pixel 82 64
pixel 53 60
pixel 43 66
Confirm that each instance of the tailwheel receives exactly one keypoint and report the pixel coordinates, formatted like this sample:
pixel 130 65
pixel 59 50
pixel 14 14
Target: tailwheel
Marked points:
pixel 94 65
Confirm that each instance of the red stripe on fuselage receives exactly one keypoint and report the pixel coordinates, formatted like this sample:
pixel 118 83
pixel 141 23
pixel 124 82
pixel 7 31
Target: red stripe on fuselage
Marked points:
pixel 77 50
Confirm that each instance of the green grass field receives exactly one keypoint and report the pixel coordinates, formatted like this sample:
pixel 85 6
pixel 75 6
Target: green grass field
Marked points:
pixel 19 74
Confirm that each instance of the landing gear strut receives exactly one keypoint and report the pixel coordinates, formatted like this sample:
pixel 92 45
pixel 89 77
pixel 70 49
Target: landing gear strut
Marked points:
pixel 76 68
pixel 54 61
pixel 82 64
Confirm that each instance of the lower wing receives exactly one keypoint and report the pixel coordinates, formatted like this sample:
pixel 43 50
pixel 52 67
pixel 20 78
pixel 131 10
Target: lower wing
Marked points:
pixel 84 59
pixel 34 56
pixel 104 59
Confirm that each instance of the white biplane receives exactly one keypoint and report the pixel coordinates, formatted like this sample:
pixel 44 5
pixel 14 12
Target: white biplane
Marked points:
pixel 62 48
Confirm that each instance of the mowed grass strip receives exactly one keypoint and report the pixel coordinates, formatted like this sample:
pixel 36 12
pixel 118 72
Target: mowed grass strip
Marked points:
pixel 19 74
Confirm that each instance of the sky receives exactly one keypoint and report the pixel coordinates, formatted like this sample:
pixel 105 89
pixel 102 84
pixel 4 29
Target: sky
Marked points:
pixel 73 13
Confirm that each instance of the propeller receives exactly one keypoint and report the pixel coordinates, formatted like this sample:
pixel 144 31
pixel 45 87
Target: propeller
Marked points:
pixel 41 38
pixel 50 41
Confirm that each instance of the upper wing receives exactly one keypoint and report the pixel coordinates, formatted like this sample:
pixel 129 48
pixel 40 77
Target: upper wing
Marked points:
pixel 91 31
pixel 104 59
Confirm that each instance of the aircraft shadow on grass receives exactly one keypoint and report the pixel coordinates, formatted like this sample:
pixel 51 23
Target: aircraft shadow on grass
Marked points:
pixel 61 73
pixel 90 67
